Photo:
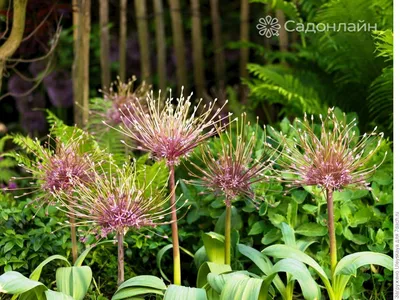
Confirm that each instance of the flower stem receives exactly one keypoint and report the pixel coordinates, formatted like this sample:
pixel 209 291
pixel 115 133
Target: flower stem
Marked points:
pixel 73 239
pixel 120 239
pixel 331 229
pixel 228 234
pixel 174 227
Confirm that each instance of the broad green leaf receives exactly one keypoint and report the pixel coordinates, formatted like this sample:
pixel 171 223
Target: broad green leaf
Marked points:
pixel 74 281
pixel 214 244
pixel 210 267
pixel 52 295
pixel 176 292
pixel 271 236
pixel 302 245
pixel 82 257
pixel 362 216
pixel 15 283
pixel 257 228
pixel 263 263
pixel 312 229
pixel 160 255
pixel 244 287
pixel 349 264
pixel 35 275
pixel 217 281
pixel 299 272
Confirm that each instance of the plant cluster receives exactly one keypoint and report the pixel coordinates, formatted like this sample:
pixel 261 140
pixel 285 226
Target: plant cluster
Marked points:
pixel 105 194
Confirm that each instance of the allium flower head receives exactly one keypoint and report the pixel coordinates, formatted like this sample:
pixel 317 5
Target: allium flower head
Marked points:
pixel 58 165
pixel 115 201
pixel 236 167
pixel 122 97
pixel 333 159
pixel 167 131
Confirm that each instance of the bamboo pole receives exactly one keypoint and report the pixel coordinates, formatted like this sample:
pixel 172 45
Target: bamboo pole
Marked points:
pixel 178 40
pixel 140 6
pixel 219 55
pixel 17 32
pixel 197 46
pixel 104 45
pixel 122 40
pixel 283 35
pixel 160 41
pixel 80 68
pixel 244 51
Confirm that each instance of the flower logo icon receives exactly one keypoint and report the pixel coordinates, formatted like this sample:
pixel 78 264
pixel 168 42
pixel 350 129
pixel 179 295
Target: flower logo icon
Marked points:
pixel 268 26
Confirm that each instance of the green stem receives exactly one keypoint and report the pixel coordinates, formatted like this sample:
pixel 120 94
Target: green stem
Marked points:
pixel 73 239
pixel 228 234
pixel 331 229
pixel 120 240
pixel 174 227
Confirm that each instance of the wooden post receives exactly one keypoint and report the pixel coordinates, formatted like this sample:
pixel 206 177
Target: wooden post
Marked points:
pixel 178 40
pixel 122 39
pixel 104 45
pixel 219 55
pixel 140 6
pixel 197 45
pixel 244 51
pixel 160 41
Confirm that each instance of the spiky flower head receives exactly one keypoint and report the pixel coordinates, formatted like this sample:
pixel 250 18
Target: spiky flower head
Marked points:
pixel 167 131
pixel 236 167
pixel 332 159
pixel 118 99
pixel 58 165
pixel 116 200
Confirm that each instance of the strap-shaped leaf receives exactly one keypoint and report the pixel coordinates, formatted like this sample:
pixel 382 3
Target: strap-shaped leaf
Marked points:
pixel 209 267
pixel 176 292
pixel 15 283
pixel 160 255
pixel 263 263
pixel 299 272
pixel 52 295
pixel 35 275
pixel 349 264
pixel 244 287
pixel 82 257
pixel 215 247
pixel 74 281
pixel 139 286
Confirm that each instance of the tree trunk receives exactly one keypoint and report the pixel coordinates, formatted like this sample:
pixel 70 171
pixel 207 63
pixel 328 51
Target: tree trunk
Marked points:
pixel 15 38
pixel 219 55
pixel 161 48
pixel 122 40
pixel 140 6
pixel 244 51
pixel 197 45
pixel 178 40
pixel 104 45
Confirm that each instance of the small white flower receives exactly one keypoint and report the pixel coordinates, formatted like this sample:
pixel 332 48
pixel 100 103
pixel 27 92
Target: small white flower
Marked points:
pixel 268 26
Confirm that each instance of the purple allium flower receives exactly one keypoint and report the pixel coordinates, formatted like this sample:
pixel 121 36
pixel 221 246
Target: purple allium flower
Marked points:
pixel 58 85
pixel 34 122
pixel 57 171
pixel 114 201
pixel 235 169
pixel 333 159
pixel 122 99
pixel 166 131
